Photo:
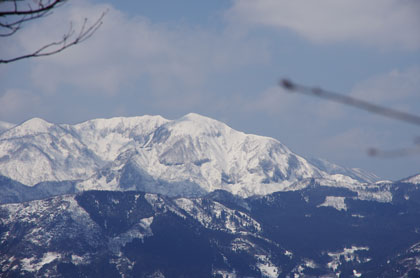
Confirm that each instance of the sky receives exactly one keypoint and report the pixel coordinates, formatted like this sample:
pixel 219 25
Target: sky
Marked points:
pixel 224 60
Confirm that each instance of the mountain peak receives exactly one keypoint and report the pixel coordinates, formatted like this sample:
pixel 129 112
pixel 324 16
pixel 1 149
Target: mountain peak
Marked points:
pixel 194 115
pixel 36 124
pixel 197 117
pixel 30 127
pixel 197 125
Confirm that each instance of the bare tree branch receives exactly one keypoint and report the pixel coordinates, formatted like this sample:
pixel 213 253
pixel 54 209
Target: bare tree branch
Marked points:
pixel 14 13
pixel 393 153
pixel 10 29
pixel 16 24
pixel 396 152
pixel 69 39
pixel 12 18
pixel 41 8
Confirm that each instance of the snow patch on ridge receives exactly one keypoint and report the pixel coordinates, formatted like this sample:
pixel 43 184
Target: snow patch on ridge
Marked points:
pixel 348 254
pixel 138 231
pixel 413 179
pixel 266 267
pixel 32 265
pixel 214 215
pixel 336 202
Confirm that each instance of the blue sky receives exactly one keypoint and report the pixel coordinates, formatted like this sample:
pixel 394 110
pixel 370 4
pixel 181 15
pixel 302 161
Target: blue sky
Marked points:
pixel 223 59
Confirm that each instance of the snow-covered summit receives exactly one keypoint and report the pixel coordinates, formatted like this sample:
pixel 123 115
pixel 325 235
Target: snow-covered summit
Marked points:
pixel 187 156
pixel 194 124
pixel 28 128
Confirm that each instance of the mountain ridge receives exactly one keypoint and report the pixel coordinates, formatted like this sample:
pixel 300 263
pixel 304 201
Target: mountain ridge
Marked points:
pixel 153 153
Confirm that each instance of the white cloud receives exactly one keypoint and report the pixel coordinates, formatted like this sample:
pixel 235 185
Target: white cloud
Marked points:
pixel 381 23
pixel 353 142
pixel 127 49
pixel 14 101
pixel 274 101
pixel 398 89
pixel 395 88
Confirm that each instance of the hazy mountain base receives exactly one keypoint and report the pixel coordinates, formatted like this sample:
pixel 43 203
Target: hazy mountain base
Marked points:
pixel 14 192
pixel 132 178
pixel 314 232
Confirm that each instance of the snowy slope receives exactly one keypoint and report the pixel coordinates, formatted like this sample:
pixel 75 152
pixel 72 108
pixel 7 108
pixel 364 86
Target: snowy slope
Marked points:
pixel 200 151
pixel 355 173
pixel 109 137
pixel 314 232
pixel 188 156
pixel 103 226
pixel 37 151
pixel 413 179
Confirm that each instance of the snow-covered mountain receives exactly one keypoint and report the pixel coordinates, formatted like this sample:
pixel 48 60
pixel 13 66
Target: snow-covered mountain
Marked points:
pixel 287 216
pixel 189 156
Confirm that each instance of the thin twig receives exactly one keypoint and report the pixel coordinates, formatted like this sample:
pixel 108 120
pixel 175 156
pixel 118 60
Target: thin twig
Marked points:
pixel 41 8
pixel 64 43
pixel 14 18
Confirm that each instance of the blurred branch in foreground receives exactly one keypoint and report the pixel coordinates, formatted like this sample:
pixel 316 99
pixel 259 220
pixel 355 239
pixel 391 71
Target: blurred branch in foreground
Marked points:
pixel 364 105
pixel 396 152
pixel 361 104
pixel 393 153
